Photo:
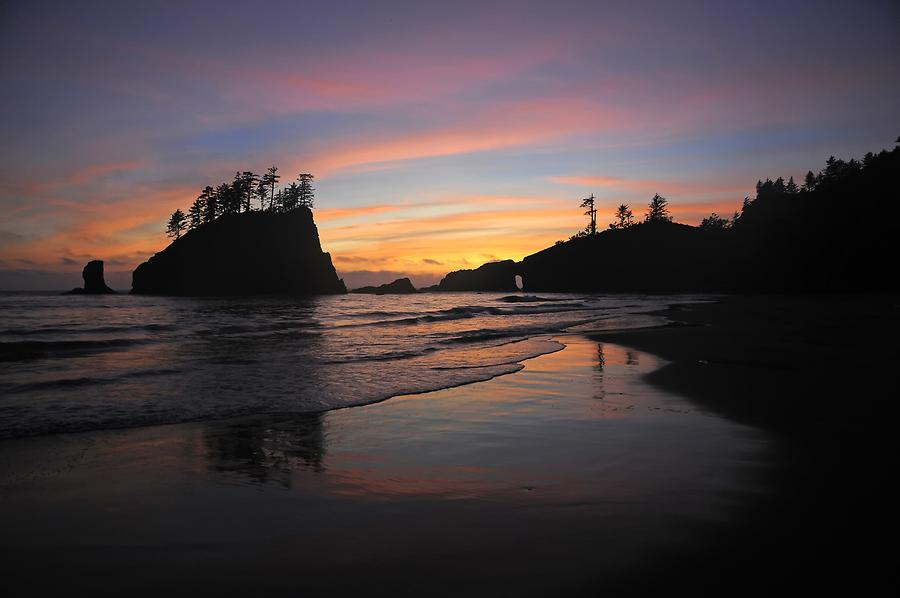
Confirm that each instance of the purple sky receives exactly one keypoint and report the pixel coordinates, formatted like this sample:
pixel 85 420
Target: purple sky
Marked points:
pixel 441 135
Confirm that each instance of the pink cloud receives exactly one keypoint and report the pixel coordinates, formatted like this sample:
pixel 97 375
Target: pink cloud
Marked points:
pixel 84 175
pixel 700 186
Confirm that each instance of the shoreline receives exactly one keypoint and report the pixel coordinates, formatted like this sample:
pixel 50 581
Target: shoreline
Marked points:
pixel 808 515
pixel 815 372
pixel 780 346
pixel 572 462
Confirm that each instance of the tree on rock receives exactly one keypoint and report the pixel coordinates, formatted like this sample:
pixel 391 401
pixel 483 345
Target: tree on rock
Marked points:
pixel 624 217
pixel 290 197
pixel 177 224
pixel 809 182
pixel 791 187
pixel 588 202
pixel 210 203
pixel 229 197
pixel 196 212
pixel 306 197
pixel 658 210
pixel 268 181
pixel 715 222
pixel 249 183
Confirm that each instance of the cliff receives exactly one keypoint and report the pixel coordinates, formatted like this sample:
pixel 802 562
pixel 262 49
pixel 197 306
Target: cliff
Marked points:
pixel 660 257
pixel 401 286
pixel 494 276
pixel 94 283
pixel 254 253
pixel 838 234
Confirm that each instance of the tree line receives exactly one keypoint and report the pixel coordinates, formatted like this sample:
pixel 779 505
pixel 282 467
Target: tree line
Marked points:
pixel 239 195
pixel 834 172
pixel 657 209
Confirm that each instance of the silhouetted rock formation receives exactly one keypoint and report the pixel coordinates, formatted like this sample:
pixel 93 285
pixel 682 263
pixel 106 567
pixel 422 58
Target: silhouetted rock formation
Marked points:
pixel 401 286
pixel 841 236
pixel 784 240
pixel 252 253
pixel 94 284
pixel 657 257
pixel 493 276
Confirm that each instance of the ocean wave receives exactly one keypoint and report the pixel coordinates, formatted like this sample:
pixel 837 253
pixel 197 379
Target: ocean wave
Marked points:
pixel 474 336
pixel 50 330
pixel 455 313
pixel 528 299
pixel 28 350
pixel 389 356
pixel 141 412
pixel 547 309
pixel 375 314
pixel 89 380
pixel 472 311
pixel 221 358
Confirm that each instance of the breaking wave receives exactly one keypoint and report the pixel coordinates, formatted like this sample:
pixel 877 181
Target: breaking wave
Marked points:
pixel 124 361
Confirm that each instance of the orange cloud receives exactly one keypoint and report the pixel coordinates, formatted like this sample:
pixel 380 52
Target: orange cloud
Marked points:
pixel 328 214
pixel 447 142
pixel 480 229
pixel 524 123
pixel 650 186
pixel 464 232
pixel 84 175
pixel 124 229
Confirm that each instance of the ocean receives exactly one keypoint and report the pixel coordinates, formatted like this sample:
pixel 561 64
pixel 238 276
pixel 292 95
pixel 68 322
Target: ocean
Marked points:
pixel 85 363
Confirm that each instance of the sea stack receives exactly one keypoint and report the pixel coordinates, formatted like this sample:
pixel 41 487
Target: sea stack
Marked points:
pixel 493 276
pixel 401 286
pixel 252 253
pixel 94 284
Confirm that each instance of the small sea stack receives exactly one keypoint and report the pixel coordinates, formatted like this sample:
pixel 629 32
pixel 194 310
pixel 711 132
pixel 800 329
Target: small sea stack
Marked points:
pixel 94 284
pixel 401 286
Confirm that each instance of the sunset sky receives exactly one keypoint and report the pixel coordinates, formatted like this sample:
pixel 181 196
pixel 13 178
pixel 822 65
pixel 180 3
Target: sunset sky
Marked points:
pixel 441 135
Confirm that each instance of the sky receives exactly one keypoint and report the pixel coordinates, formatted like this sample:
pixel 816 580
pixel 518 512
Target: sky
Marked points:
pixel 442 135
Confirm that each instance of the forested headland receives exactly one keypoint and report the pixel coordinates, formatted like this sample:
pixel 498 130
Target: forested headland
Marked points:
pixel 835 231
pixel 247 192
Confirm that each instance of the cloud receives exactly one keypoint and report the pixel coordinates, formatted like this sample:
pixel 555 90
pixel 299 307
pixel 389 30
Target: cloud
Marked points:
pixel 328 214
pixel 84 175
pixel 496 125
pixel 124 228
pixel 652 186
pixel 10 238
pixel 352 259
pixel 448 234
pixel 473 107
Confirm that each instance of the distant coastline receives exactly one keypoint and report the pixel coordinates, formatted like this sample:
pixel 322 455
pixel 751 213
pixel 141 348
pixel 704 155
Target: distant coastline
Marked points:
pixel 788 238
pixel 784 239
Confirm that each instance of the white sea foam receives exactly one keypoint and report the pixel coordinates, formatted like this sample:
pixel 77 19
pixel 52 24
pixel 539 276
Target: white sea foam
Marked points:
pixel 82 363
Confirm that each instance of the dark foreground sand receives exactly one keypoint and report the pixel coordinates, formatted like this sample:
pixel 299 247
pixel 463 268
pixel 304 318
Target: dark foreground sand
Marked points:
pixel 819 373
pixel 757 460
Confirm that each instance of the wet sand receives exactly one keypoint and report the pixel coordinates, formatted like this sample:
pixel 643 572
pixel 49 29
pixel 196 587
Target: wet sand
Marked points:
pixel 817 373
pixel 754 455
pixel 570 477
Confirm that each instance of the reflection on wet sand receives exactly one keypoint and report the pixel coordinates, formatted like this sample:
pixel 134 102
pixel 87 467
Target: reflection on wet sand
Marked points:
pixel 533 431
pixel 544 430
pixel 264 451
pixel 573 462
